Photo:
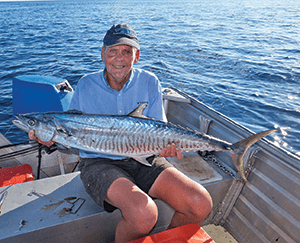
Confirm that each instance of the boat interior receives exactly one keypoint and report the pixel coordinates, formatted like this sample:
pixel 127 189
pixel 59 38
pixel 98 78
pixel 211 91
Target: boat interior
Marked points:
pixel 40 210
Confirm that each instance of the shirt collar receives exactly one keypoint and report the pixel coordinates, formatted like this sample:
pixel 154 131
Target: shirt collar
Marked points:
pixel 126 85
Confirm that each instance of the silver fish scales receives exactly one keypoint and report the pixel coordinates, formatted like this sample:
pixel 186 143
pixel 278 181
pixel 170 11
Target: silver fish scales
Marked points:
pixel 133 135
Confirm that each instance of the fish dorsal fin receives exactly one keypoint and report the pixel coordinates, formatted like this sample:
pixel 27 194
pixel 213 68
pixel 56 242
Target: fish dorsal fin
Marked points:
pixel 138 112
pixel 75 112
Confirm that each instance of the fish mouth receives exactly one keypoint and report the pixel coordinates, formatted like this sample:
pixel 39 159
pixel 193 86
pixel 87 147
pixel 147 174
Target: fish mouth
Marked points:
pixel 20 123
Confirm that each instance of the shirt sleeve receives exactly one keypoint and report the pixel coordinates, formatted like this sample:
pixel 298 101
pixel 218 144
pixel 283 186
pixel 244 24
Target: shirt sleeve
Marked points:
pixel 75 102
pixel 74 105
pixel 156 108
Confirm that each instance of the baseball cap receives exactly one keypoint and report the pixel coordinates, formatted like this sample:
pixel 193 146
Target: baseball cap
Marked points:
pixel 120 34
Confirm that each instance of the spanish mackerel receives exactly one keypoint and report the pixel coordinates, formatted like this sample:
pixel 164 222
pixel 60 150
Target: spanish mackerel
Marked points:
pixel 133 135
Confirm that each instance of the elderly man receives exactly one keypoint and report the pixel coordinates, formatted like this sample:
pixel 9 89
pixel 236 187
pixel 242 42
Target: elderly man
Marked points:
pixel 124 183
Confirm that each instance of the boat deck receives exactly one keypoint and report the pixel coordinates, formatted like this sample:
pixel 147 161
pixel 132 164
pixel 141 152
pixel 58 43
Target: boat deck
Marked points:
pixel 27 217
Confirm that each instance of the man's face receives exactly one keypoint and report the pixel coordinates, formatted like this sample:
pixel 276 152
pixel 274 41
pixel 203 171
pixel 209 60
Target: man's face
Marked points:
pixel 119 61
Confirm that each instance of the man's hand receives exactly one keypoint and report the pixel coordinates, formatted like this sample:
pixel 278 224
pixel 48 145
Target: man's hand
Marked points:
pixel 33 137
pixel 171 151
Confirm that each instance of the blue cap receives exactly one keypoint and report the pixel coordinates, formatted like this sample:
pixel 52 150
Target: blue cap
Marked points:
pixel 121 34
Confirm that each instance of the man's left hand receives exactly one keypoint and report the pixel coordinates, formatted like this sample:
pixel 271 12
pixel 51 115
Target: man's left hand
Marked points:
pixel 171 151
pixel 33 137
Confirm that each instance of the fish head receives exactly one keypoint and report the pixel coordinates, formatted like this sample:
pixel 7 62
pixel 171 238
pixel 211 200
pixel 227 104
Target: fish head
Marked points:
pixel 42 125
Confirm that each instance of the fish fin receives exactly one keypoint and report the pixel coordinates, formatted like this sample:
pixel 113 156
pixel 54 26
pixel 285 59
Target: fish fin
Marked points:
pixel 241 147
pixel 64 130
pixel 138 112
pixel 65 146
pixel 75 112
pixel 142 160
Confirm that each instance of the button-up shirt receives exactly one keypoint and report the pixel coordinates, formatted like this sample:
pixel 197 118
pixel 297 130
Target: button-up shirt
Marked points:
pixel 93 95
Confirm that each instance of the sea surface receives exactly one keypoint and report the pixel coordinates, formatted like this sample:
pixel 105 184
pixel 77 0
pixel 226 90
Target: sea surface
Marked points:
pixel 240 57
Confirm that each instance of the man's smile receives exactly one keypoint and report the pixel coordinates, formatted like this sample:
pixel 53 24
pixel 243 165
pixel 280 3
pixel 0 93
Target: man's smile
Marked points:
pixel 118 66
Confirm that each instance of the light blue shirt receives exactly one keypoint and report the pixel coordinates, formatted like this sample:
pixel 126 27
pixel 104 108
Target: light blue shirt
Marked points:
pixel 93 95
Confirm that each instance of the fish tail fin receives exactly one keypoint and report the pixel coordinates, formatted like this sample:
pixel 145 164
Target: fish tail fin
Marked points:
pixel 241 148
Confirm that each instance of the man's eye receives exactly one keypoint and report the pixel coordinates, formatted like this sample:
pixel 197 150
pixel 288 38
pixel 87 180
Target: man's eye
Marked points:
pixel 31 122
pixel 111 52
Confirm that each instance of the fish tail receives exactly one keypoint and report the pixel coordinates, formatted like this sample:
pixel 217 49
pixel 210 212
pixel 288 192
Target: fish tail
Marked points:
pixel 241 147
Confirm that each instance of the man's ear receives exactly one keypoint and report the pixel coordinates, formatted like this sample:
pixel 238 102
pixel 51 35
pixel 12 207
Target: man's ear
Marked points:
pixel 103 53
pixel 137 56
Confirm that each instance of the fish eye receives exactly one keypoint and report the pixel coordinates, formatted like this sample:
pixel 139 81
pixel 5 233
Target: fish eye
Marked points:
pixel 31 122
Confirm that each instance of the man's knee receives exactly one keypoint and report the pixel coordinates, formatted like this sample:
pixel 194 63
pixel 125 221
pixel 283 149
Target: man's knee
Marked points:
pixel 144 217
pixel 200 205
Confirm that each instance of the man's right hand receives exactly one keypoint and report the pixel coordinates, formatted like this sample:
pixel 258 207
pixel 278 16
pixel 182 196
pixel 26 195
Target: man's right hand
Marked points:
pixel 171 151
pixel 33 137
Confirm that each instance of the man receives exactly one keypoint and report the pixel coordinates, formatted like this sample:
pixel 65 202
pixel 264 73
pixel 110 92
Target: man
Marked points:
pixel 119 182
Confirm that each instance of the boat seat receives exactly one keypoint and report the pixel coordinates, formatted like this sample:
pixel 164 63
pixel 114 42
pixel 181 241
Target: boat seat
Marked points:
pixel 196 168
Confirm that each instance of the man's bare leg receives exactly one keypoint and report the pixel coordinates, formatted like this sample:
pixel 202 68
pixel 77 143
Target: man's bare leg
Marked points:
pixel 190 200
pixel 139 211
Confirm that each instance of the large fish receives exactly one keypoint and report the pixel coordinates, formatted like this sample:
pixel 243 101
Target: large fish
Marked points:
pixel 133 135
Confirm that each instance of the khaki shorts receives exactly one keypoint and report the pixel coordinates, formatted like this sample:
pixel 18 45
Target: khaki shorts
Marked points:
pixel 97 174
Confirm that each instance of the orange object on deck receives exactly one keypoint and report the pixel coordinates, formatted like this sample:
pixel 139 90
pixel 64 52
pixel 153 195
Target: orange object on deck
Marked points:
pixel 190 233
pixel 15 175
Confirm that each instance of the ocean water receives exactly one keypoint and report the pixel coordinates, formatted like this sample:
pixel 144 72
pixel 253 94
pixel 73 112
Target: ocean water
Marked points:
pixel 241 57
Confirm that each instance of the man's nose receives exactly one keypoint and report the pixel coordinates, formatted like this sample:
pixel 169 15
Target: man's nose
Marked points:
pixel 120 55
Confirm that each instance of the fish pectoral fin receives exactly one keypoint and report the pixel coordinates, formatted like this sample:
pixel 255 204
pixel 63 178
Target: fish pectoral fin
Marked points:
pixel 65 147
pixel 64 130
pixel 143 160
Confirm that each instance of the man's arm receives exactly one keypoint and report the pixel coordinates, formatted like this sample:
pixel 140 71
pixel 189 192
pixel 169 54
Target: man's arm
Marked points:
pixel 157 111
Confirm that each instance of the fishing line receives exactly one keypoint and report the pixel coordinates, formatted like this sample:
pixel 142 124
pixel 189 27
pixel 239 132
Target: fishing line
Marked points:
pixel 17 144
pixel 32 149
pixel 8 130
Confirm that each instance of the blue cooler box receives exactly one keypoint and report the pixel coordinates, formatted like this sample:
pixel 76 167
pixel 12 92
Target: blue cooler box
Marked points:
pixel 34 93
